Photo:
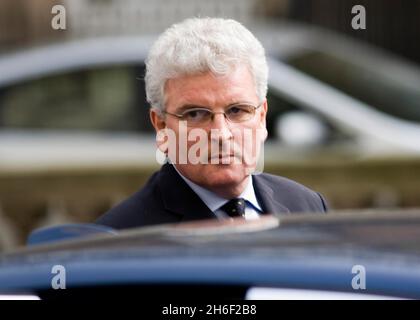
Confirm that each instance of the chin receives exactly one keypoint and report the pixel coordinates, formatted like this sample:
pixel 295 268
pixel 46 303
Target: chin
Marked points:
pixel 223 175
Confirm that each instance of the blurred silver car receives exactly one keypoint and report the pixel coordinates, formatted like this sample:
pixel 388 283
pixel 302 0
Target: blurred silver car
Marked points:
pixel 83 103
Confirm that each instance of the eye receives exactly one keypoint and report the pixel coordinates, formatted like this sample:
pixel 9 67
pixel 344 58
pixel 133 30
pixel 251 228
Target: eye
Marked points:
pixel 238 109
pixel 196 114
pixel 234 110
pixel 239 112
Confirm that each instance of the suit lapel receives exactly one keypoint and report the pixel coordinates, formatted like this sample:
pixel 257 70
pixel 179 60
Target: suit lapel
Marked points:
pixel 266 197
pixel 179 198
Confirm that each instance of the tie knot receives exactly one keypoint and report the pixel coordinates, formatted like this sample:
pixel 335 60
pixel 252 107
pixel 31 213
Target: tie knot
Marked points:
pixel 234 207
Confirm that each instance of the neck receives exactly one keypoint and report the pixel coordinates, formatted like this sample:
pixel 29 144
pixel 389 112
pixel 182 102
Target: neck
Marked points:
pixel 230 191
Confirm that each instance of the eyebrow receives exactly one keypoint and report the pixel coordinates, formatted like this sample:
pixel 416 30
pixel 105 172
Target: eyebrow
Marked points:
pixel 190 106
pixel 194 106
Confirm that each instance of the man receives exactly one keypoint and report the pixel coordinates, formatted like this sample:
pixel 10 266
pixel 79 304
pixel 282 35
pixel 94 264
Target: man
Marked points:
pixel 206 82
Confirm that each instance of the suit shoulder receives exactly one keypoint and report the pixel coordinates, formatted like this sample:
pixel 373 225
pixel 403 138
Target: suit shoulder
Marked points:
pixel 283 182
pixel 133 210
pixel 292 193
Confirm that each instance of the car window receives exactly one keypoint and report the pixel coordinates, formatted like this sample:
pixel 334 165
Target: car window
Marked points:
pixel 280 108
pixel 107 99
pixel 392 93
pixel 104 99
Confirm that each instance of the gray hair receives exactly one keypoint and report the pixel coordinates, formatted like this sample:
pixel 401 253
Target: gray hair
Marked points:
pixel 199 45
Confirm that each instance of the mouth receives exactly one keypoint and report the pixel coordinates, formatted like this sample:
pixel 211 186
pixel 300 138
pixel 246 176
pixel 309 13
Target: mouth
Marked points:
pixel 223 158
pixel 225 155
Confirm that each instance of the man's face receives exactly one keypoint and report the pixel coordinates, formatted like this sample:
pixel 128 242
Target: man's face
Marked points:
pixel 223 170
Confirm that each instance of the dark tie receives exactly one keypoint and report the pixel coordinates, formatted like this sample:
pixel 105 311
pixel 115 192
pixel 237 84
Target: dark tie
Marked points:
pixel 235 207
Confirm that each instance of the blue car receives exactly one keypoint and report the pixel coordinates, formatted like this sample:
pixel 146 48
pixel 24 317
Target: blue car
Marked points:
pixel 337 256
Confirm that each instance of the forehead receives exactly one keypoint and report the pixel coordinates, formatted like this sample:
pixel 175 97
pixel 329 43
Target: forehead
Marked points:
pixel 211 90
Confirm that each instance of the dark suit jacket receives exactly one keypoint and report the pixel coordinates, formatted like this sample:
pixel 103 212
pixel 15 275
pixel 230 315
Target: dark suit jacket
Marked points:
pixel 166 198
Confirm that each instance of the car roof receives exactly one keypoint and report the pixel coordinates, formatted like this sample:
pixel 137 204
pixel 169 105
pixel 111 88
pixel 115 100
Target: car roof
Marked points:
pixel 74 54
pixel 280 39
pixel 305 250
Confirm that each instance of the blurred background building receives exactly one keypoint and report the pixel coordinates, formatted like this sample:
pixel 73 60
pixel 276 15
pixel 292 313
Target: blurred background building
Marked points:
pixel 74 135
pixel 393 25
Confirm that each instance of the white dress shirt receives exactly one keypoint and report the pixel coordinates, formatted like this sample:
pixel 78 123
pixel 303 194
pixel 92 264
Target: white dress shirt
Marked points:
pixel 214 201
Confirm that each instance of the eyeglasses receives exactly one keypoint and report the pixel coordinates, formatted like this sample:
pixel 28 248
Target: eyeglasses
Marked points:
pixel 236 113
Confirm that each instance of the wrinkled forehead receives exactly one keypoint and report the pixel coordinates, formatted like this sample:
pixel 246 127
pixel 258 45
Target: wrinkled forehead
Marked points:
pixel 211 90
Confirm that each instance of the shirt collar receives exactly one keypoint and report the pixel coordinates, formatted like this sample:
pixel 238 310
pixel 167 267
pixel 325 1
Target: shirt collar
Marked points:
pixel 249 194
pixel 214 201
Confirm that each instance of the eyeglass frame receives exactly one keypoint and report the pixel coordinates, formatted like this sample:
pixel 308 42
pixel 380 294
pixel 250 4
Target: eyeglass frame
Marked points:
pixel 180 116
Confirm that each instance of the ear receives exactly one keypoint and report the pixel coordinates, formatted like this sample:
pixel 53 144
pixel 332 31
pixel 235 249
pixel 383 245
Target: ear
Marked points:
pixel 158 122
pixel 263 113
pixel 263 117
pixel 157 119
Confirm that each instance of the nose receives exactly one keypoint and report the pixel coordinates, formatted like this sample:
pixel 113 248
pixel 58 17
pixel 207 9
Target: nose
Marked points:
pixel 221 125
